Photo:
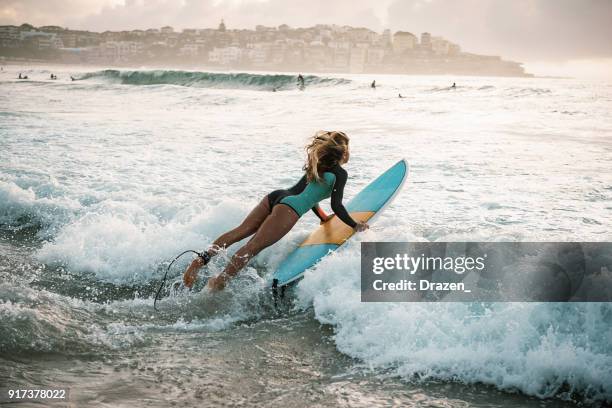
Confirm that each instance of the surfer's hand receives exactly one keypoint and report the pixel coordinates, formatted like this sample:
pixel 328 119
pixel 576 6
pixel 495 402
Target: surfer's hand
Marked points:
pixel 327 218
pixel 361 226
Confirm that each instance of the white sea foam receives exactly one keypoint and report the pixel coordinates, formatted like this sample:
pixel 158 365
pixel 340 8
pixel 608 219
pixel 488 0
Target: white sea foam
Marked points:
pixel 125 243
pixel 540 349
pixel 23 207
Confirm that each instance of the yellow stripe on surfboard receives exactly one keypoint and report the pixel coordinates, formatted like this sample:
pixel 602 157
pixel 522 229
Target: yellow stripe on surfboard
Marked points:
pixel 335 231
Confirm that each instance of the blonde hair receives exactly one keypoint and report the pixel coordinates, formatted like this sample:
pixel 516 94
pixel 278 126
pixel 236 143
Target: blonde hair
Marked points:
pixel 324 152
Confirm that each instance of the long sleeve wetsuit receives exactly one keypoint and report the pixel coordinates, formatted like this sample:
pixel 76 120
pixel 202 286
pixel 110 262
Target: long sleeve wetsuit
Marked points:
pixel 302 197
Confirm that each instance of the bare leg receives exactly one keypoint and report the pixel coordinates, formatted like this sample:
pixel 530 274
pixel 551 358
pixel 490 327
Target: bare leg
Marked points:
pixel 275 226
pixel 248 227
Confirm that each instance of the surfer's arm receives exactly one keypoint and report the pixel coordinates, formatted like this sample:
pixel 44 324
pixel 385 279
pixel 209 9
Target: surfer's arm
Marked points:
pixel 320 213
pixel 336 198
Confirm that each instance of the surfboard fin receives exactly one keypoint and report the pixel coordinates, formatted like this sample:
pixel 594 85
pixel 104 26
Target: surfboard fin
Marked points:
pixel 277 293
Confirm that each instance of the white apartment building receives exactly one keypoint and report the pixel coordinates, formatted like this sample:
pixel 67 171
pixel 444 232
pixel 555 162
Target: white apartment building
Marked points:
pixel 375 56
pixel 9 36
pixel 339 45
pixel 341 58
pixel 439 45
pixel 9 31
pixel 425 40
pixel 258 55
pixel 357 59
pixel 189 50
pixel 119 50
pixel 454 49
pixel 385 38
pixel 41 39
pixel 69 39
pixel 225 55
pixel 402 41
pixel 363 35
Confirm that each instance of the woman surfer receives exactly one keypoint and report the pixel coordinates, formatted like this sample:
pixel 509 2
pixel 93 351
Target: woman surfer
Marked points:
pixel 279 211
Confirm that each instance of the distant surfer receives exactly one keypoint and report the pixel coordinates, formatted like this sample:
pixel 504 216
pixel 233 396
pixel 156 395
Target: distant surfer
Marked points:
pixel 454 86
pixel 399 95
pixel 72 78
pixel 373 86
pixel 20 77
pixel 300 81
pixel 278 212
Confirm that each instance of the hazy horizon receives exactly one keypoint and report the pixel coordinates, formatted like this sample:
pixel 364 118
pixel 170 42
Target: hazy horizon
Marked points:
pixel 562 38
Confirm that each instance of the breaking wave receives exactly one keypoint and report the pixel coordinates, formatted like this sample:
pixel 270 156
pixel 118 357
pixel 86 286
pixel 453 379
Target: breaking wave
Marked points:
pixel 259 82
pixel 541 349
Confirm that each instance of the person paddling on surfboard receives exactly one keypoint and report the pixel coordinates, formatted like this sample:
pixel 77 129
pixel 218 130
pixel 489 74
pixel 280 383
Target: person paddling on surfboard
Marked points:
pixel 280 210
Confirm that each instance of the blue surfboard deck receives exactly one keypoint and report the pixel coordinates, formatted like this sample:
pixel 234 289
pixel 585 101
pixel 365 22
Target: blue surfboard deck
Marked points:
pixel 364 206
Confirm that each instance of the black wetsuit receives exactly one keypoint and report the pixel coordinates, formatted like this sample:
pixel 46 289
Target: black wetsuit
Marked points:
pixel 337 192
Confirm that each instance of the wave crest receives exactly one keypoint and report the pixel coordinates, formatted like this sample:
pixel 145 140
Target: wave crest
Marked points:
pixel 260 82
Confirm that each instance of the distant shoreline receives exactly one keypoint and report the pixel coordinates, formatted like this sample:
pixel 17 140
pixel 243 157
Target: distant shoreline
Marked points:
pixel 191 67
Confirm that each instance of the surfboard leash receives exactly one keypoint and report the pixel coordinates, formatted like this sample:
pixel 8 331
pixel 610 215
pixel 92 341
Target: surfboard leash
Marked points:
pixel 163 283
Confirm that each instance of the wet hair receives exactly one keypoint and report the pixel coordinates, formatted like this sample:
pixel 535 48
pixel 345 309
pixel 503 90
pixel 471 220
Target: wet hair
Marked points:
pixel 325 151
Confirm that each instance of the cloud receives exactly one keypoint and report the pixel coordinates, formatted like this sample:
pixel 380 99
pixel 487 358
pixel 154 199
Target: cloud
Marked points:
pixel 133 14
pixel 524 29
pixel 50 12
pixel 130 14
pixel 238 14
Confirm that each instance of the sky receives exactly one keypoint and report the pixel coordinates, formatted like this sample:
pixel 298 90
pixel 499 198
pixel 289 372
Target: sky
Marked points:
pixel 552 37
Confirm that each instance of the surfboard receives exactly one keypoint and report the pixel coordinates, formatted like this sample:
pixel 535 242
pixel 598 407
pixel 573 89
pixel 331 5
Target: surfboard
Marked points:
pixel 364 207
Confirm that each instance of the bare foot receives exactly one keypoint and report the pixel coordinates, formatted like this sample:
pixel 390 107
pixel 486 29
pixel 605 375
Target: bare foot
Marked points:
pixel 217 283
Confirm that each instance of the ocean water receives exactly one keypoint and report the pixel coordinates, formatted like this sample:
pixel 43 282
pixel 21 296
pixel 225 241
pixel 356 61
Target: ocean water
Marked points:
pixel 103 180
